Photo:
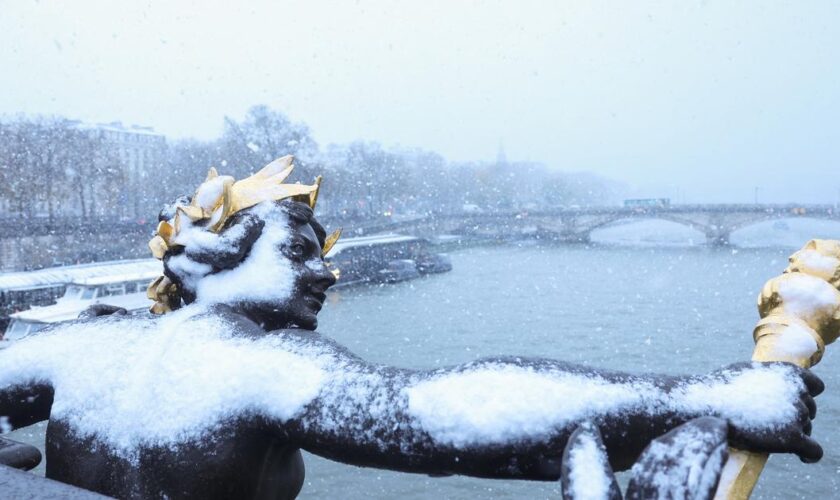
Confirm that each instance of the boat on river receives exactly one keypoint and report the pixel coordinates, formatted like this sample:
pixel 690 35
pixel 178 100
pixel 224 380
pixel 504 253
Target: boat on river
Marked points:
pixel 24 289
pixel 398 270
pixel 387 258
pixel 126 290
pixel 384 258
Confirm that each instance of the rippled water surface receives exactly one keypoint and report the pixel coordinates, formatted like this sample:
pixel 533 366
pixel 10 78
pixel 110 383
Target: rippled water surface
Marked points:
pixel 669 310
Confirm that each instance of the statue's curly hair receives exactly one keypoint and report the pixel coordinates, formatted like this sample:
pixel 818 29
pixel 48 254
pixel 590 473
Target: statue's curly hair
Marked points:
pixel 239 234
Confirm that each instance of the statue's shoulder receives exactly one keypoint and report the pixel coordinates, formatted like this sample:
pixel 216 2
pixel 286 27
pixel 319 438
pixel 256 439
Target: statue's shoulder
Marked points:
pixel 235 322
pixel 313 339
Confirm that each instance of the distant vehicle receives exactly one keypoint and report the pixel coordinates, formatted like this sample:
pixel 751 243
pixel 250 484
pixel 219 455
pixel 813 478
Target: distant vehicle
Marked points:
pixel 398 270
pixel 648 203
pixel 22 290
pixel 122 290
pixel 471 208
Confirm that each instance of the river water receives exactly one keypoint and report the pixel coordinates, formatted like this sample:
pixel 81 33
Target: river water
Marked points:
pixel 668 310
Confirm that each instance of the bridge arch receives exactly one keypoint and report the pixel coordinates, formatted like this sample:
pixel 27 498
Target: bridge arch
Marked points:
pixel 760 218
pixel 647 230
pixel 785 231
pixel 703 228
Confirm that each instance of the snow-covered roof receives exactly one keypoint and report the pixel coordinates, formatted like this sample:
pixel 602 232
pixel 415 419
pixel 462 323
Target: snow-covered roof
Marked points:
pixel 67 310
pixel 58 276
pixel 369 241
pixel 119 278
pixel 52 314
pixel 119 127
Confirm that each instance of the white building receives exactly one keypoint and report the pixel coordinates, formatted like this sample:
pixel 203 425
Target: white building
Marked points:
pixel 141 151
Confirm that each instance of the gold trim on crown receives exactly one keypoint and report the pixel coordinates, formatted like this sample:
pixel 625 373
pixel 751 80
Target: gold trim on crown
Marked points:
pixel 219 197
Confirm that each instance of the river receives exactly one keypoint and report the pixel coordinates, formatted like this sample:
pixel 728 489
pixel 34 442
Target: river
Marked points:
pixel 668 310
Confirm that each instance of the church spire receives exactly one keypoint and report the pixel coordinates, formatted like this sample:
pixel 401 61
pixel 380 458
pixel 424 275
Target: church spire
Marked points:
pixel 501 157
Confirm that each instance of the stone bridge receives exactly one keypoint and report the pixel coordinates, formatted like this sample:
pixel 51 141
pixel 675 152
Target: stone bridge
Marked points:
pixel 716 222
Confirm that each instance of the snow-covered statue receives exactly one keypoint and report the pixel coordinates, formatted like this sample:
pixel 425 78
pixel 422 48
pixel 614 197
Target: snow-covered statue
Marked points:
pixel 215 398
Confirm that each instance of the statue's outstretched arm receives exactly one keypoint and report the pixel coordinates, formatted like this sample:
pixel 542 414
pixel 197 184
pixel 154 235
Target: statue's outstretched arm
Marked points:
pixel 511 417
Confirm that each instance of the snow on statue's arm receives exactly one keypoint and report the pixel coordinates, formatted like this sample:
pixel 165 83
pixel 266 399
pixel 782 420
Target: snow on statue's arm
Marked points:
pixel 26 396
pixel 511 417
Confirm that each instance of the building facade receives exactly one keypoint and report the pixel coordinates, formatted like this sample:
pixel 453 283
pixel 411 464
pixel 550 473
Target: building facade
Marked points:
pixel 141 153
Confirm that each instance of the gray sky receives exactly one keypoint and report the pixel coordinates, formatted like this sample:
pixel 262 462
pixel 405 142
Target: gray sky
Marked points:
pixel 699 101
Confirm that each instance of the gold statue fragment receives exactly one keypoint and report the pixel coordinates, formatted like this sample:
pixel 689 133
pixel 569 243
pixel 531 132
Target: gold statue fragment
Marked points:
pixel 800 315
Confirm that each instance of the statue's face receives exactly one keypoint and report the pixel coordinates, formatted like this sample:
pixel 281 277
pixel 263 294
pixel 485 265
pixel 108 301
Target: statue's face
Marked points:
pixel 280 283
pixel 300 253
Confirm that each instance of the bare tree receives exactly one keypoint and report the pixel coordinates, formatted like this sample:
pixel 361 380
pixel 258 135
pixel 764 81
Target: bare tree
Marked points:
pixel 264 135
pixel 52 166
pixel 33 175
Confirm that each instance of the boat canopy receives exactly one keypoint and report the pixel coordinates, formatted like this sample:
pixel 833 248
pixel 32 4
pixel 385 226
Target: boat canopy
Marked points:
pixel 50 314
pixel 60 276
pixel 127 290
pixel 147 275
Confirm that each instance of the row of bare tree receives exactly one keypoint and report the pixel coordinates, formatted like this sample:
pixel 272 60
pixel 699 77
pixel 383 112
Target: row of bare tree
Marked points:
pixel 52 167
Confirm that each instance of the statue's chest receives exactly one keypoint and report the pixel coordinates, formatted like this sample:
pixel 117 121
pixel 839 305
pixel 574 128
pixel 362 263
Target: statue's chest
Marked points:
pixel 165 394
pixel 237 461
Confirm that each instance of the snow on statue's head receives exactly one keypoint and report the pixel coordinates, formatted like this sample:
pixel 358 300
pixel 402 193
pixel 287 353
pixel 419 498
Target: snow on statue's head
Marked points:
pixel 253 245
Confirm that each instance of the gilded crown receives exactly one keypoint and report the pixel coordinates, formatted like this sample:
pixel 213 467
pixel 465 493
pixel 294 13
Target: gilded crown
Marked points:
pixel 214 202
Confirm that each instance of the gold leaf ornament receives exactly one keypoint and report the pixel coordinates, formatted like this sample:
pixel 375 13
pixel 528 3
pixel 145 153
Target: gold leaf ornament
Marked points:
pixel 330 242
pixel 165 294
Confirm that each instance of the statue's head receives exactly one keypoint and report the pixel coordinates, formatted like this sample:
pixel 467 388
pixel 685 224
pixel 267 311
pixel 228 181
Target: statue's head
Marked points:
pixel 252 247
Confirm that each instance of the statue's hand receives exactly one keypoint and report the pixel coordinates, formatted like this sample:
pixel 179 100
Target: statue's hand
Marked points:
pixel 684 463
pixel 769 406
pixel 98 310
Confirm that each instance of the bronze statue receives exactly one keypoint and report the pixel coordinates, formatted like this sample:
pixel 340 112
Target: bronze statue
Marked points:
pixel 215 398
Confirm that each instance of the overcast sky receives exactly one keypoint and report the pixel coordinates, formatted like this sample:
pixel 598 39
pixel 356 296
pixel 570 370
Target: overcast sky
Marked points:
pixel 699 101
